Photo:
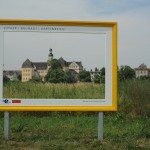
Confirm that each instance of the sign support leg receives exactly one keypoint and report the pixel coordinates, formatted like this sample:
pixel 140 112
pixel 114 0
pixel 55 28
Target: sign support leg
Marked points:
pixel 6 125
pixel 100 126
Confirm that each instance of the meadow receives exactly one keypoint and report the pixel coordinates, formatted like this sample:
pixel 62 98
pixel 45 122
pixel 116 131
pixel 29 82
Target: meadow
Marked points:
pixel 126 129
pixel 51 90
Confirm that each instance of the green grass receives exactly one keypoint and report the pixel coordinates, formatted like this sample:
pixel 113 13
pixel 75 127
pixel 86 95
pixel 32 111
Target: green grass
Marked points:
pixel 48 90
pixel 127 129
pixel 134 97
pixel 66 131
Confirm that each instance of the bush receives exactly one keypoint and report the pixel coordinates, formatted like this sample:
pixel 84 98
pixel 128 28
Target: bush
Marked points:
pixel 135 97
pixel 5 79
pixel 145 78
pixel 84 76
pixel 35 79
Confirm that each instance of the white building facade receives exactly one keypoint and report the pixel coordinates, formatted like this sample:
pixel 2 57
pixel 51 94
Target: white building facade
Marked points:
pixel 142 70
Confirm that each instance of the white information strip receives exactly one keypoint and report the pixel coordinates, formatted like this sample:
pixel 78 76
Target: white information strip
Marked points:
pixel 55 102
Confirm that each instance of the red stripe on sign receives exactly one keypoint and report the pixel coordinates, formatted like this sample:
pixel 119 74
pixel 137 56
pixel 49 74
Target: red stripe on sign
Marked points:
pixel 16 101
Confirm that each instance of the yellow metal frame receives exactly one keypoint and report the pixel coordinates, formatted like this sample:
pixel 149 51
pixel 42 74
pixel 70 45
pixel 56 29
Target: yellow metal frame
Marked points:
pixel 112 25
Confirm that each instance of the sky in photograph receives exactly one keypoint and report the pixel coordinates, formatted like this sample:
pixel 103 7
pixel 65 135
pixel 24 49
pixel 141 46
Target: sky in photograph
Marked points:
pixel 87 48
pixel 133 19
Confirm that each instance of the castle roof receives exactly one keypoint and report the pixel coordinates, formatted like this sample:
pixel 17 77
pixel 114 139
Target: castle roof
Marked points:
pixel 77 62
pixel 63 62
pixel 40 65
pixel 27 64
pixel 37 65
pixel 43 65
pixel 142 66
pixel 11 72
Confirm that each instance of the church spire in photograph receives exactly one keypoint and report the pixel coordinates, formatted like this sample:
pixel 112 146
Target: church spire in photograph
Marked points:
pixel 50 56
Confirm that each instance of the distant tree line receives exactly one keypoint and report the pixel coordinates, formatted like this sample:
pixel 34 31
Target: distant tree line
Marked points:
pixel 57 75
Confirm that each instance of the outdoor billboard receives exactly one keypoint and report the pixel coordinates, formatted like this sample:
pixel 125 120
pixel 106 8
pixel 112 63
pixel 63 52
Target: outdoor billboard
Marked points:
pixel 58 65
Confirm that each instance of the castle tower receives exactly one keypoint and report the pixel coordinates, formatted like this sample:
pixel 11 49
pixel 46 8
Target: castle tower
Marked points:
pixel 50 56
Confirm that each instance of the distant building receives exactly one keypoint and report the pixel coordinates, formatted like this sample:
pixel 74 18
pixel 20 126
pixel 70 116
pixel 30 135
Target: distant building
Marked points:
pixel 40 69
pixel 93 73
pixel 13 75
pixel 142 70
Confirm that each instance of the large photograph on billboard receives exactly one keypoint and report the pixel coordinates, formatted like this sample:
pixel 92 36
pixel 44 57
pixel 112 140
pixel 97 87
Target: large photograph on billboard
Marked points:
pixel 59 66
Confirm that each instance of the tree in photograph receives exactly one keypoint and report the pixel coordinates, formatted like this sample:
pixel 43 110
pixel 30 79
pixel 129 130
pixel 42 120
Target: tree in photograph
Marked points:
pixel 102 71
pixel 102 75
pixel 55 73
pixel 126 72
pixel 54 64
pixel 68 78
pixel 97 78
pixel 19 77
pixel 84 76
pixel 102 79
pixel 55 76
pixel 5 79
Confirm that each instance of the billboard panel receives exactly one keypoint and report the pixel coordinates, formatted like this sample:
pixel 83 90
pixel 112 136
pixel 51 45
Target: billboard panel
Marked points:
pixel 58 65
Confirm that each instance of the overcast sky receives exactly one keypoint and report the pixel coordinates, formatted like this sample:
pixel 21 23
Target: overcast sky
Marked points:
pixel 133 17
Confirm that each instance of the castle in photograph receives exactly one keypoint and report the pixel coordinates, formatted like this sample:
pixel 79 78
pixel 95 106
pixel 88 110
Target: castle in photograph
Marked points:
pixel 31 70
pixel 40 69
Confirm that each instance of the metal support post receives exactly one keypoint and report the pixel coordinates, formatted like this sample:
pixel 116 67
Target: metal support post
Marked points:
pixel 6 125
pixel 100 126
